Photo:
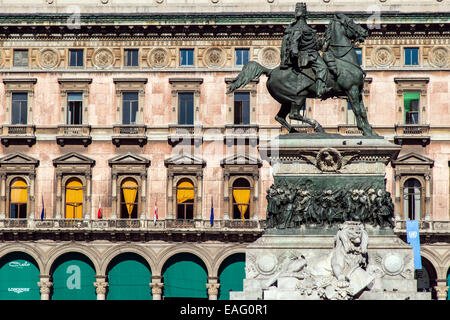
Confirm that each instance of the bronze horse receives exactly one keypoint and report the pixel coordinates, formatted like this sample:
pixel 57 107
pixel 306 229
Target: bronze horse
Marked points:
pixel 291 88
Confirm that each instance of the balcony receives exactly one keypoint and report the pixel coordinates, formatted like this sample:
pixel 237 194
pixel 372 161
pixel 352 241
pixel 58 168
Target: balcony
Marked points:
pixel 412 134
pixel 185 134
pixel 141 225
pixel 74 134
pixel 426 227
pixel 349 130
pixel 241 134
pixel 19 134
pixel 129 134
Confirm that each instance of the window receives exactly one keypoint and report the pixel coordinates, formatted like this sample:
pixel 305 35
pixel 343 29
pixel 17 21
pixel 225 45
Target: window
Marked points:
pixel 350 115
pixel 186 108
pixel 18 200
pixel 131 57
pixel 20 58
pixel 76 57
pixel 411 56
pixel 74 108
pixel 242 56
pixel 186 57
pixel 185 199
pixel 74 199
pixel 129 107
pixel 412 197
pixel 242 108
pixel 128 200
pixel 241 199
pixel 19 108
pixel 358 52
pixel 411 105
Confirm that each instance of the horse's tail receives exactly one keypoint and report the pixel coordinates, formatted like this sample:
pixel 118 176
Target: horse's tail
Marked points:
pixel 249 72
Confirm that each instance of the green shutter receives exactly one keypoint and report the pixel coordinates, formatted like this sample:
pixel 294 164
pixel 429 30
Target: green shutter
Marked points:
pixel 407 98
pixel 185 276
pixel 129 278
pixel 231 275
pixel 19 275
pixel 73 278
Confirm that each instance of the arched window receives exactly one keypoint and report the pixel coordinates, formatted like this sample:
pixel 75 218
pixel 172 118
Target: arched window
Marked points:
pixel 74 199
pixel 185 199
pixel 241 199
pixel 128 200
pixel 19 197
pixel 412 198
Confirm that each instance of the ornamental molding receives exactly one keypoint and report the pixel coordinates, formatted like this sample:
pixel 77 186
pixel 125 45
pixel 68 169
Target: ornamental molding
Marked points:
pixel 383 56
pixel 103 58
pixel 269 57
pixel 214 57
pixel 158 58
pixel 439 56
pixel 48 58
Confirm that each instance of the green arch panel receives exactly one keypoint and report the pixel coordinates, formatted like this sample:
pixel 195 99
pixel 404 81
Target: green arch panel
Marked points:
pixel 129 278
pixel 448 284
pixel 19 275
pixel 73 277
pixel 185 276
pixel 231 275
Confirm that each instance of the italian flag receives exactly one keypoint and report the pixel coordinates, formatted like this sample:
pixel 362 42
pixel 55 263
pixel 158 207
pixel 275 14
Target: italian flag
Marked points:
pixel 99 214
pixel 155 217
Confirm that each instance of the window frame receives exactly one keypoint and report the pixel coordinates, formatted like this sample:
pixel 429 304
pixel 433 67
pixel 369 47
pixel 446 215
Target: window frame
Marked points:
pixel 181 57
pixel 27 58
pixel 410 63
pixel 242 106
pixel 15 93
pixel 123 203
pixel 83 202
pixel 419 212
pixel 68 111
pixel 185 204
pixel 249 210
pixel 19 204
pixel 126 57
pixel 236 58
pixel 69 60
pixel 130 106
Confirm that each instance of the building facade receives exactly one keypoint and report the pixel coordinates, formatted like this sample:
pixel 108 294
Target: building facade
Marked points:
pixel 128 172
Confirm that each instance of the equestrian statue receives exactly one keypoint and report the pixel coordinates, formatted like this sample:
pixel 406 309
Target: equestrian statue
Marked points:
pixel 304 73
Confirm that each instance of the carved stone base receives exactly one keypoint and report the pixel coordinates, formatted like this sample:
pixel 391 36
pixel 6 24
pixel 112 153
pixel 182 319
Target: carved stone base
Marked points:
pixel 300 267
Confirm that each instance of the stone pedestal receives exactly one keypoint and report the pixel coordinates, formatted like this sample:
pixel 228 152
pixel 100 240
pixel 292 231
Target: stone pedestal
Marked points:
pixel 389 274
pixel 329 229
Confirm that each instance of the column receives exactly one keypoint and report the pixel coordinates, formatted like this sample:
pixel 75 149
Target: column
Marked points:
pixel 88 194
pixel 226 196
pixel 441 289
pixel 3 197
pixel 45 286
pixel 255 196
pixel 143 195
pixel 100 287
pixel 157 287
pixel 199 196
pixel 427 197
pixel 213 288
pixel 398 196
pixel 169 196
pixel 114 196
pixel 58 195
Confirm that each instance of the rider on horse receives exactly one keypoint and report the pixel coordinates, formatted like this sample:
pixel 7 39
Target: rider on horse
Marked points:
pixel 300 48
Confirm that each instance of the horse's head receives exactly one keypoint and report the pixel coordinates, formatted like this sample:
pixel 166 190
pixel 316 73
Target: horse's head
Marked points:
pixel 352 30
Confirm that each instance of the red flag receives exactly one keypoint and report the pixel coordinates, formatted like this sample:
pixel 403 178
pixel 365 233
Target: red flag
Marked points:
pixel 99 215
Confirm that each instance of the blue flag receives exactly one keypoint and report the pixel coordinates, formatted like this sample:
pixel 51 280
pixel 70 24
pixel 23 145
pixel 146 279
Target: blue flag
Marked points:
pixel 412 237
pixel 43 211
pixel 211 219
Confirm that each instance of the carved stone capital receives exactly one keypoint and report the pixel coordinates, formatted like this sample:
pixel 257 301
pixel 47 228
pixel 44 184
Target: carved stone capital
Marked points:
pixel 45 286
pixel 441 292
pixel 213 288
pixel 100 287
pixel 156 288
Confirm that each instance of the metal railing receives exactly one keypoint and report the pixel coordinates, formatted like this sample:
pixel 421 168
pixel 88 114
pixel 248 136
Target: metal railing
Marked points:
pixel 412 129
pixel 140 224
pixel 426 226
pixel 74 130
